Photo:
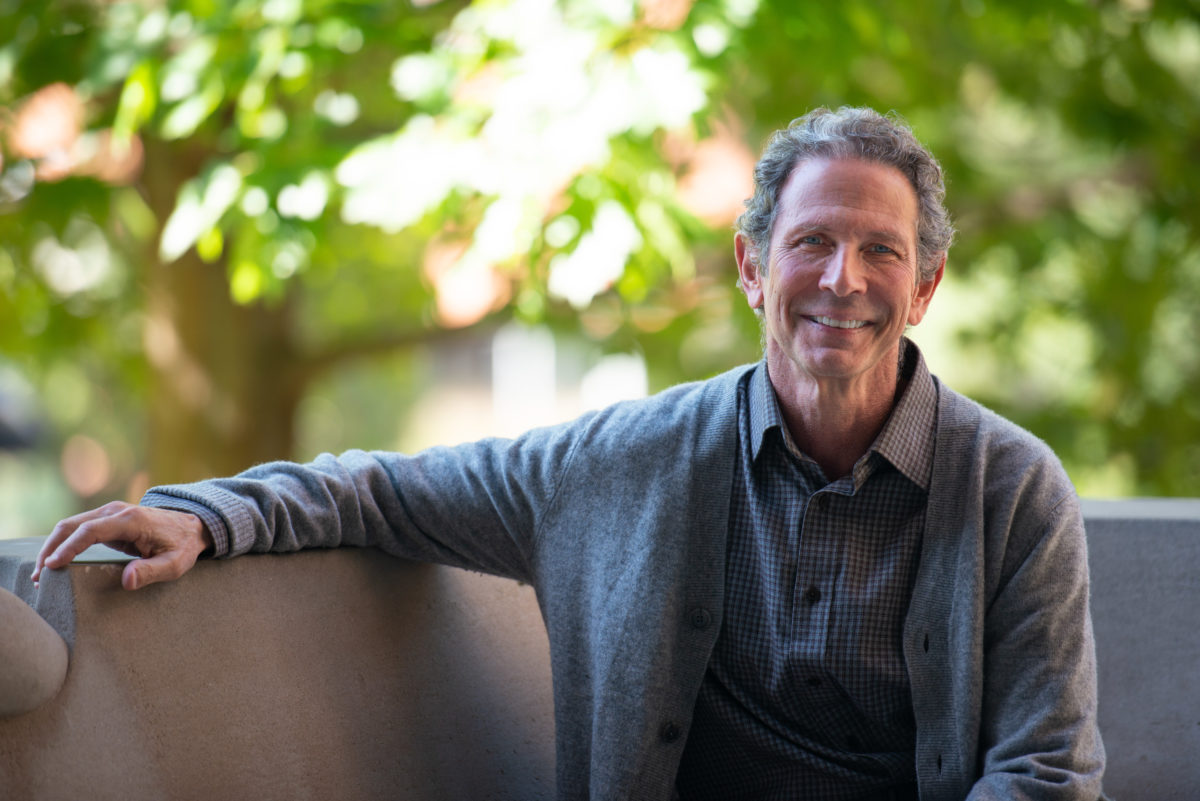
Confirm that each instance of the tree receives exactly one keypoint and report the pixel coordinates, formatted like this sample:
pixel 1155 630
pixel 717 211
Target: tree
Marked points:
pixel 320 181
pixel 233 162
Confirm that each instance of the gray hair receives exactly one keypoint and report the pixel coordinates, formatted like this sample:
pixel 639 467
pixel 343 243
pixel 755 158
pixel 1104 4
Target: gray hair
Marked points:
pixel 849 132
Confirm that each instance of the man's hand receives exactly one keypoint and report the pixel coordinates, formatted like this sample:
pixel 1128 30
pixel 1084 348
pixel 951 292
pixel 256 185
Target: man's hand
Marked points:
pixel 166 541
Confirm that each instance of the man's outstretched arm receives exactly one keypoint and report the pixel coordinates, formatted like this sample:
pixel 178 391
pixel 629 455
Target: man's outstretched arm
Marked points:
pixel 475 506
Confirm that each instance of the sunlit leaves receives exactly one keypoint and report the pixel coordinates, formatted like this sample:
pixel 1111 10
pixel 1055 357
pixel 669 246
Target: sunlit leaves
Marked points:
pixel 137 103
pixel 1176 46
pixel 392 182
pixel 306 199
pixel 598 260
pixel 81 261
pixel 201 204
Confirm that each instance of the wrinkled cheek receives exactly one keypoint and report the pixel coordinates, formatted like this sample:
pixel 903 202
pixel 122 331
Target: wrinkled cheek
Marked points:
pixel 783 325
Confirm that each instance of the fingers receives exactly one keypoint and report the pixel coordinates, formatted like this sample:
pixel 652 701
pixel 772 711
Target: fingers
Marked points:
pixel 63 544
pixel 166 566
pixel 110 523
pixel 168 541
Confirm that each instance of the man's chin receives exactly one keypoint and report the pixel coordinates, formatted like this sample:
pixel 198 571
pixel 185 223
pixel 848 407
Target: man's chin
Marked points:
pixel 833 362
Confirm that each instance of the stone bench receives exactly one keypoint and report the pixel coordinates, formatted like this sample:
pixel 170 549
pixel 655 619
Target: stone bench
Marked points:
pixel 348 674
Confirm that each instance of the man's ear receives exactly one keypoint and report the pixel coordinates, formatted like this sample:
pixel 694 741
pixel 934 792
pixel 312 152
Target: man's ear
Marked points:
pixel 924 294
pixel 749 274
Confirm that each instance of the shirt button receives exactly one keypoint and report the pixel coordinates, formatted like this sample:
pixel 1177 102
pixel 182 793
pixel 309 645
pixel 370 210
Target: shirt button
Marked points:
pixel 814 681
pixel 669 732
pixel 812 595
pixel 700 618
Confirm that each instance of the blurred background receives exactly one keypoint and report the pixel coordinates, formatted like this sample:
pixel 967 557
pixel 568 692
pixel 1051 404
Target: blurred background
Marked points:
pixel 235 231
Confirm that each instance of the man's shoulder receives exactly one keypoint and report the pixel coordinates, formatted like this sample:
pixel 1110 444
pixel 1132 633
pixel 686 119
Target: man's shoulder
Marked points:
pixel 964 417
pixel 1004 453
pixel 689 403
pixel 683 421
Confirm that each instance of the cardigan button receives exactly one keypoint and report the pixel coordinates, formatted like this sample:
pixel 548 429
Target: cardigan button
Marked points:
pixel 700 618
pixel 670 732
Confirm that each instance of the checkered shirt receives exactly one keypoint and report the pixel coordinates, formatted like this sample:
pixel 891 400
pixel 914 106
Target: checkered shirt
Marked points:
pixel 806 695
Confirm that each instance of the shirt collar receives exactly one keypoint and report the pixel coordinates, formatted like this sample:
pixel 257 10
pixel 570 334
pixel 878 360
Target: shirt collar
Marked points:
pixel 906 440
pixel 908 436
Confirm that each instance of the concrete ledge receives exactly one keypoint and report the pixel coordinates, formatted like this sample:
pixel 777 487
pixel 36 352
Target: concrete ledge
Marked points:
pixel 335 674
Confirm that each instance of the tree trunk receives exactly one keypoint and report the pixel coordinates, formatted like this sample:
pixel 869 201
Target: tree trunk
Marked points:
pixel 222 397
pixel 223 392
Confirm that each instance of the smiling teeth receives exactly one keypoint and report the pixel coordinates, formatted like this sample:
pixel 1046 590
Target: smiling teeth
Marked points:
pixel 840 323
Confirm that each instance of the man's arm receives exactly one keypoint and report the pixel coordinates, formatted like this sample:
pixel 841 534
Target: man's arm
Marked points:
pixel 475 506
pixel 1039 737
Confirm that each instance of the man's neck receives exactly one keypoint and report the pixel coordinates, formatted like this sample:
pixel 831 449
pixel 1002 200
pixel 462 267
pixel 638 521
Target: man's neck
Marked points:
pixel 834 423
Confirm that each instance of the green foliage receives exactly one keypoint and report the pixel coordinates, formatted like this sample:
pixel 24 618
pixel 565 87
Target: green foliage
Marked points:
pixel 351 168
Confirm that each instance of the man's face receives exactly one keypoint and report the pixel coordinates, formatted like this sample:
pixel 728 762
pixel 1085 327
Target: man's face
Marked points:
pixel 841 284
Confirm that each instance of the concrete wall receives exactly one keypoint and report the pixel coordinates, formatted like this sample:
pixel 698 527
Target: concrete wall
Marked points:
pixel 347 674
pixel 1145 567
pixel 322 675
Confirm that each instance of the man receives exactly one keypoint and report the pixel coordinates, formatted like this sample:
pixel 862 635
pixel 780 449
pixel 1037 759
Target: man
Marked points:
pixel 825 576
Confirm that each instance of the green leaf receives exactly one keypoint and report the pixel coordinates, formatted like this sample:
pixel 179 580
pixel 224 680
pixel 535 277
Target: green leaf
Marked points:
pixel 201 204
pixel 139 97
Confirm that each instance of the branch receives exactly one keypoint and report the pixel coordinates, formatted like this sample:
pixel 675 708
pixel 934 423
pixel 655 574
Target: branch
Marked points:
pixel 312 365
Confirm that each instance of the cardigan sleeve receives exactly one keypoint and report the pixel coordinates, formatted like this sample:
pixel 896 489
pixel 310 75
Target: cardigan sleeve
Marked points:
pixel 476 505
pixel 1038 737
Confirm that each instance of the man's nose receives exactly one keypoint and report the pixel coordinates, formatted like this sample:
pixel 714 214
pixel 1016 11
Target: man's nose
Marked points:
pixel 844 273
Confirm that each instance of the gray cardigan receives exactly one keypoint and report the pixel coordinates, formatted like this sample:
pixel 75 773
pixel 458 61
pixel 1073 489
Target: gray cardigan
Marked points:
pixel 619 521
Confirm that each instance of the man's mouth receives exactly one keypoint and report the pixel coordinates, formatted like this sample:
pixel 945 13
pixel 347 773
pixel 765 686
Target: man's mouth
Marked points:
pixel 829 321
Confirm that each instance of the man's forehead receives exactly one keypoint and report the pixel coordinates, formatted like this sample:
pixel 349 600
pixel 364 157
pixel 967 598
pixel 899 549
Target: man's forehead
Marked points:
pixel 820 192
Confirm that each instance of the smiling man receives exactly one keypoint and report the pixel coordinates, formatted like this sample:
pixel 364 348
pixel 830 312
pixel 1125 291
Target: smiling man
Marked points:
pixel 825 576
pixel 906 585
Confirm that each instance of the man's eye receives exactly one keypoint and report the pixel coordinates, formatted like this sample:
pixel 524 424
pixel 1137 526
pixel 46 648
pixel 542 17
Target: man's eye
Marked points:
pixel 881 249
pixel 811 239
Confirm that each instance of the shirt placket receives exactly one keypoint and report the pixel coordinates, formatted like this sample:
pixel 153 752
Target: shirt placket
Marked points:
pixel 813 593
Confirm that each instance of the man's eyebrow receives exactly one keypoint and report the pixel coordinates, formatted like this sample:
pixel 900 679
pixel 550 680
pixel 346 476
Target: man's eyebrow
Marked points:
pixel 890 236
pixel 820 226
